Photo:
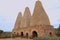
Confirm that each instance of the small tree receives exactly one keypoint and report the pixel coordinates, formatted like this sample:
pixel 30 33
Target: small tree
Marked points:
pixel 1 31
pixel 58 31
pixel 59 28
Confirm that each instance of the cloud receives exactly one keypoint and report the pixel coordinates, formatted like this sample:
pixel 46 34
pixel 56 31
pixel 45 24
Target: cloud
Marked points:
pixel 59 21
pixel 52 8
pixel 9 10
pixel 57 24
pixel 5 25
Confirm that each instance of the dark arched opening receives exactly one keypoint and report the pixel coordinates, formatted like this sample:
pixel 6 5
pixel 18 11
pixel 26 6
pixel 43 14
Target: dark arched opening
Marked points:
pixel 14 32
pixel 17 34
pixel 50 34
pixel 22 34
pixel 27 35
pixel 34 34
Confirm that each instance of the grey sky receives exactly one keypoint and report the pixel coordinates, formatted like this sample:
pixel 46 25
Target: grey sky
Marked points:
pixel 9 10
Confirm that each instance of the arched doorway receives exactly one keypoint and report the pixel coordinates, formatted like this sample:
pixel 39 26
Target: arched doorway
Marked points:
pixel 27 35
pixel 14 32
pixel 34 34
pixel 22 34
pixel 50 33
pixel 17 34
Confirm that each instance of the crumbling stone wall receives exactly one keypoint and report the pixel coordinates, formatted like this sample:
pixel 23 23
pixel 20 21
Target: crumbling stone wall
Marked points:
pixel 41 30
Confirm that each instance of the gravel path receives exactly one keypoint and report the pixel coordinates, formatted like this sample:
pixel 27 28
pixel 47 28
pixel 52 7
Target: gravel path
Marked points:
pixel 15 39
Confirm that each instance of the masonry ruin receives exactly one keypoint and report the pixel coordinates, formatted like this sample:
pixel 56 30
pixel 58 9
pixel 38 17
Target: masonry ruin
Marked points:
pixel 35 25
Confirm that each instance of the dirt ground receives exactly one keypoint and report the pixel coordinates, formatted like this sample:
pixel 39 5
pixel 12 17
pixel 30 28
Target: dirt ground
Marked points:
pixel 15 39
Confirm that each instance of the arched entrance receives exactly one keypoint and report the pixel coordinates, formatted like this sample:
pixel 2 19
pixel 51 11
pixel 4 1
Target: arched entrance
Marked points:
pixel 17 34
pixel 50 33
pixel 34 34
pixel 22 34
pixel 27 35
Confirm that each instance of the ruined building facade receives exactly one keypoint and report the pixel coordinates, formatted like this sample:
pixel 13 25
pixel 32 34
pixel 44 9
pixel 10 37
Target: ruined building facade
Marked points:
pixel 33 26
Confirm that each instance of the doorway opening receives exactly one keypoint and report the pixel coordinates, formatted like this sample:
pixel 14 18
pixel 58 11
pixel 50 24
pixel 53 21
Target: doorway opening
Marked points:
pixel 17 34
pixel 34 34
pixel 22 34
pixel 50 34
pixel 27 35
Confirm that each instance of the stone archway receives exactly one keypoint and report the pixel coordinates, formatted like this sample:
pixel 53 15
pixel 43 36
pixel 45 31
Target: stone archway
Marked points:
pixel 50 33
pixel 34 34
pixel 17 34
pixel 27 35
pixel 22 34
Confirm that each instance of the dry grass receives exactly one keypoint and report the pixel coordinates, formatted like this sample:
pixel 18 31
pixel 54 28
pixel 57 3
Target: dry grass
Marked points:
pixel 16 39
pixel 47 38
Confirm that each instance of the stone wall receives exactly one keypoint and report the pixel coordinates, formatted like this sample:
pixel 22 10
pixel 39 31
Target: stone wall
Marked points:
pixel 41 30
pixel 36 25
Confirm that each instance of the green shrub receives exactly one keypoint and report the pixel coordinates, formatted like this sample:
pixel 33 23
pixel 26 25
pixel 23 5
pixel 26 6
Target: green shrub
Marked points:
pixel 58 31
pixel 1 31
pixel 47 38
pixel 7 35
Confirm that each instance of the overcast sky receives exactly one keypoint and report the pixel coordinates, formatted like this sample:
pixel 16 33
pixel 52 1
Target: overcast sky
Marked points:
pixel 9 10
